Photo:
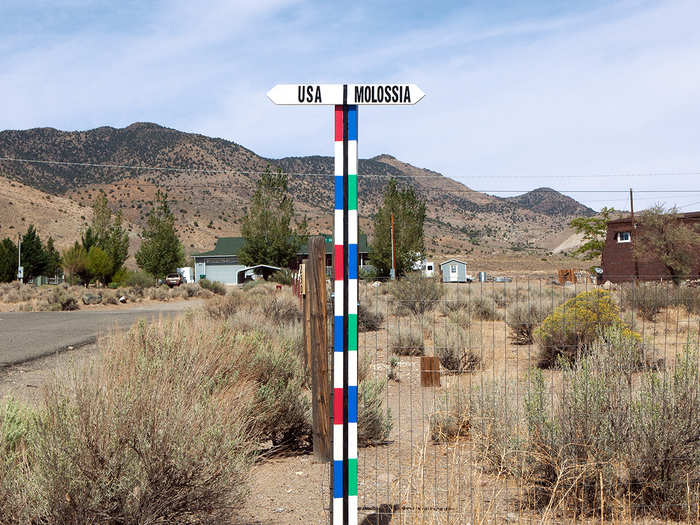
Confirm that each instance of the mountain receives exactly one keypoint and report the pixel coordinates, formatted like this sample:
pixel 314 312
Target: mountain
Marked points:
pixel 209 182
pixel 551 202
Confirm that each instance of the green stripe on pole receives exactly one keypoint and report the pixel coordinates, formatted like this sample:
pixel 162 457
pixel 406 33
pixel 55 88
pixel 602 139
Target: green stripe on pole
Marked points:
pixel 352 332
pixel 352 476
pixel 352 192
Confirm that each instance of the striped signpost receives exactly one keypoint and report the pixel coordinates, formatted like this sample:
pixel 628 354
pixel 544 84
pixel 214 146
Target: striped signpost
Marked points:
pixel 345 98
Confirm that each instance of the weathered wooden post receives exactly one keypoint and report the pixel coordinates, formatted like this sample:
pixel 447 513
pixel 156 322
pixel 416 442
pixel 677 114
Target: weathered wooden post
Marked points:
pixel 316 341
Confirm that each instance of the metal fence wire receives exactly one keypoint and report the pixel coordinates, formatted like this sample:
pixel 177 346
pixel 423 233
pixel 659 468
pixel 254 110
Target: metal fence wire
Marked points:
pixel 555 403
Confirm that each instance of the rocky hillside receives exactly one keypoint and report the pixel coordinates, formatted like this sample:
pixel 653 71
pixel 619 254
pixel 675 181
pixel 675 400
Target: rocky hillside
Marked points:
pixel 209 182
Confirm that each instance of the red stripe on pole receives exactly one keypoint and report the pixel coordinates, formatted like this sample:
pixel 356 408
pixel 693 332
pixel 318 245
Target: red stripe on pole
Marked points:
pixel 338 262
pixel 339 123
pixel 337 406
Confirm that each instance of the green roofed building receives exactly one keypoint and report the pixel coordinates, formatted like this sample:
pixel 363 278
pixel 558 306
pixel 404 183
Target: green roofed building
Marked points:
pixel 221 264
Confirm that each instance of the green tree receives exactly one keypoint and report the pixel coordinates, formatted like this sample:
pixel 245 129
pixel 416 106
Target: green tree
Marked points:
pixel 99 264
pixel 267 227
pixel 74 262
pixel 161 251
pixel 409 215
pixel 663 236
pixel 53 259
pixel 34 259
pixel 8 261
pixel 594 230
pixel 107 232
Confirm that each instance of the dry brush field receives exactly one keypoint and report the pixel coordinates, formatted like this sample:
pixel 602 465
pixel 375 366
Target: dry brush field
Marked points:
pixel 549 411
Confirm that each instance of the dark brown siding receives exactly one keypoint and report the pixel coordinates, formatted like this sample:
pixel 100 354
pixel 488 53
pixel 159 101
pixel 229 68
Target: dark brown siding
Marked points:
pixel 618 257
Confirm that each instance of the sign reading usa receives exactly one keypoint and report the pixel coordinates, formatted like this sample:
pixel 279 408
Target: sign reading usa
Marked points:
pixel 353 94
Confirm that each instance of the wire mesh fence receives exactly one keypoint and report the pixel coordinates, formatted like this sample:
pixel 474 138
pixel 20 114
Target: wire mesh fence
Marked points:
pixel 555 402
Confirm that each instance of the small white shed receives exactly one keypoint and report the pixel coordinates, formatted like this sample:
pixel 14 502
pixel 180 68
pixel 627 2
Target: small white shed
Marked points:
pixel 454 271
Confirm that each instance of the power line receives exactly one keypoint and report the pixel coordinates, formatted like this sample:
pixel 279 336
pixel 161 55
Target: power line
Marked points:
pixel 259 172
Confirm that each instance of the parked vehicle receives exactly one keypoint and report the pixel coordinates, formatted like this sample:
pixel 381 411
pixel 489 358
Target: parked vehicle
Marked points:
pixel 173 279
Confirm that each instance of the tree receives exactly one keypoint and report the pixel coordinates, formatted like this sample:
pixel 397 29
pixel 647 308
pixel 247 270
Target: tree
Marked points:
pixel 161 251
pixel 74 262
pixel 34 260
pixel 8 261
pixel 99 264
pixel 53 258
pixel 409 215
pixel 107 233
pixel 594 230
pixel 267 225
pixel 663 236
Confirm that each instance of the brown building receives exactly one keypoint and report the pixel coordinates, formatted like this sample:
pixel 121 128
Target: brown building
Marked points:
pixel 618 259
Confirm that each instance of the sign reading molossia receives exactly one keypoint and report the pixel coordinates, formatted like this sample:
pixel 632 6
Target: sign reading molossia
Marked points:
pixel 332 94
pixel 345 98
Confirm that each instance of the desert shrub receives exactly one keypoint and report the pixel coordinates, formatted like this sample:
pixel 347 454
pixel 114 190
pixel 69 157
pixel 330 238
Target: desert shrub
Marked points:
pixel 281 308
pixel 136 278
pixel 522 320
pixel 647 300
pixel 689 298
pixel 461 318
pixel 407 339
pixel 158 293
pixel 364 365
pixel 190 290
pixel 213 286
pixel 110 299
pixel 603 439
pixel 222 307
pixel 484 310
pixel 453 347
pixel 373 422
pixel 368 273
pixel 450 420
pixel 115 444
pixel 284 276
pixel 284 411
pixel 415 294
pixel 570 329
pixel 453 301
pixel 16 425
pixel 61 300
pixel 393 372
pixel 368 319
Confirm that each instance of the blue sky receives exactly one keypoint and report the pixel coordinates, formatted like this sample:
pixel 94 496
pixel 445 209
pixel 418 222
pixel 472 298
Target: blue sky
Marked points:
pixel 571 95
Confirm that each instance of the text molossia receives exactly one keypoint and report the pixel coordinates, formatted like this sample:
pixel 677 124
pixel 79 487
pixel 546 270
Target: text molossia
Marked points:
pixel 382 94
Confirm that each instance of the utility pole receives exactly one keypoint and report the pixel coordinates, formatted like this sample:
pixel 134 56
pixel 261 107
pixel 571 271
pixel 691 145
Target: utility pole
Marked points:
pixel 633 233
pixel 20 274
pixel 393 250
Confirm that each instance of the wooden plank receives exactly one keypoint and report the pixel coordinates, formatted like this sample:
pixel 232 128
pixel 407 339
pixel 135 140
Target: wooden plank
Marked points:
pixel 429 371
pixel 315 299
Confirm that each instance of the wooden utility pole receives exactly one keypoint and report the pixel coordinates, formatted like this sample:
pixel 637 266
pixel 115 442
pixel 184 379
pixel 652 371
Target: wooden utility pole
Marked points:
pixel 316 343
pixel 393 250
pixel 633 233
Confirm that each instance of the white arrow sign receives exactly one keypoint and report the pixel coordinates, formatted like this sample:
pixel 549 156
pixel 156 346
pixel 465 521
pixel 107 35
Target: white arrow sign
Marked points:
pixel 332 94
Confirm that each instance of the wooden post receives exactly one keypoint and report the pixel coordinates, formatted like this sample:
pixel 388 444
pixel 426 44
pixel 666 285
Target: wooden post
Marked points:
pixel 316 341
pixel 429 371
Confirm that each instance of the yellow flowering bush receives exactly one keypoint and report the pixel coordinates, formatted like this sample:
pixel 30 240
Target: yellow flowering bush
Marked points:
pixel 573 326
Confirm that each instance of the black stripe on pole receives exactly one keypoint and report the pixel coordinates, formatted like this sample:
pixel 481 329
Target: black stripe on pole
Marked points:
pixel 346 318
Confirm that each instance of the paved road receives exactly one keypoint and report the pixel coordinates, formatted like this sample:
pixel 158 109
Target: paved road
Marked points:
pixel 29 335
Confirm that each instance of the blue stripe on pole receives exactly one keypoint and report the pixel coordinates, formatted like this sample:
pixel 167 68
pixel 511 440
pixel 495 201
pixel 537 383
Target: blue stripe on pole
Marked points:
pixel 352 124
pixel 352 404
pixel 339 192
pixel 338 479
pixel 338 333
pixel 352 261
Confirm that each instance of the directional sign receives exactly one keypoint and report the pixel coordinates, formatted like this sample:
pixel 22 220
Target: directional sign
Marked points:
pixel 332 94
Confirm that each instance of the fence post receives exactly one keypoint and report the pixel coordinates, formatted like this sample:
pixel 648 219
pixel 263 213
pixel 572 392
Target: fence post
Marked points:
pixel 316 342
